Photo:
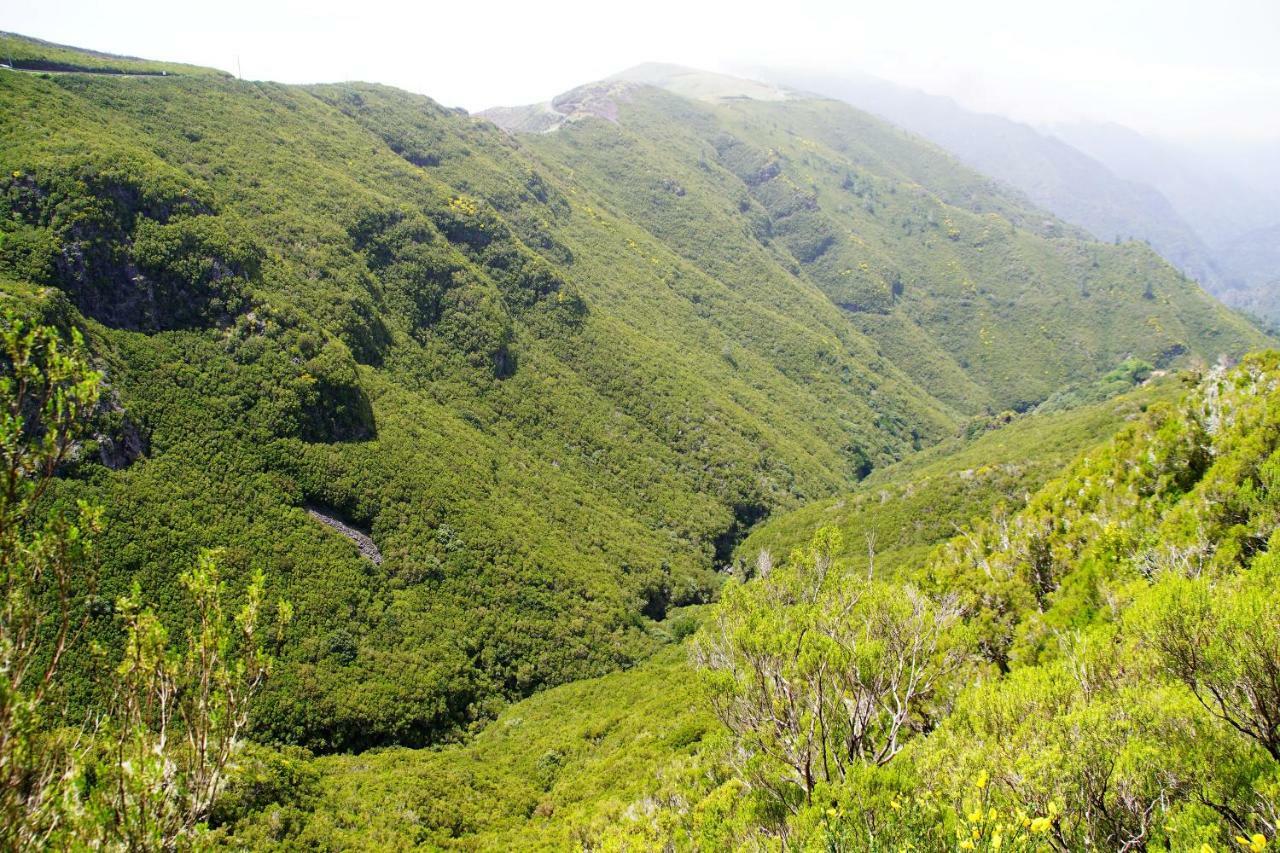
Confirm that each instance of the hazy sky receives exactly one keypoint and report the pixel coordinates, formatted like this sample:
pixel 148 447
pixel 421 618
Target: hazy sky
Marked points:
pixel 1169 67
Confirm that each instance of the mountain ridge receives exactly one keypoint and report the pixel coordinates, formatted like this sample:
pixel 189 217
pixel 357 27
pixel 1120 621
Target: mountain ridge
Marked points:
pixel 1052 172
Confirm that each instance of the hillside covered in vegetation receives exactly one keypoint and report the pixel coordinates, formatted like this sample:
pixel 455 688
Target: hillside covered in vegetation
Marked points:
pixel 1096 670
pixel 1054 175
pixel 566 764
pixel 466 413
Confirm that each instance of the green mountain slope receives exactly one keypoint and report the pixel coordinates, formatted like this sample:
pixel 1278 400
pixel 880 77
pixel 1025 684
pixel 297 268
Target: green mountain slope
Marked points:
pixel 899 513
pixel 985 302
pixel 1051 173
pixel 552 772
pixel 555 378
pixel 638 755
pixel 295 314
pixel 28 54
pixel 1123 635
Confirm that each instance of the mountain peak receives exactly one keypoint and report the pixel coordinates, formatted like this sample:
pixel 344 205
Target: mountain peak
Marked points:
pixel 598 99
pixel 701 85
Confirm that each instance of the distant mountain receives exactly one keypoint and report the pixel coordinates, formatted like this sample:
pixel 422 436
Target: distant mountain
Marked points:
pixel 1253 264
pixel 1230 194
pixel 1050 172
pixel 845 202
pixel 703 85
pixel 598 100
pixel 1220 203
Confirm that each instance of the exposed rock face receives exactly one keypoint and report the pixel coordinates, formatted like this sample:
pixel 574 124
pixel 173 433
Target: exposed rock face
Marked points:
pixel 123 447
pixel 132 245
pixel 120 439
pixel 362 539
pixel 598 100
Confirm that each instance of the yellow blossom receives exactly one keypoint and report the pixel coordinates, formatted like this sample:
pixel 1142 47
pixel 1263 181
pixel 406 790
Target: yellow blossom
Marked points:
pixel 1041 824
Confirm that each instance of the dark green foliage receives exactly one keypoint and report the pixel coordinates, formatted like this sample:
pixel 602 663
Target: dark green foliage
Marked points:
pixel 1131 372
pixel 129 240
pixel 195 268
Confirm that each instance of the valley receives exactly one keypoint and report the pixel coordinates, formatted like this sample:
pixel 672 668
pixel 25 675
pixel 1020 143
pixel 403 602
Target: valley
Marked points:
pixel 586 475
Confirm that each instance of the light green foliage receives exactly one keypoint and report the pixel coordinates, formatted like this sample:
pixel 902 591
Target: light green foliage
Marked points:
pixel 46 393
pixel 1133 603
pixel 898 514
pixel 816 669
pixel 1177 489
pixel 1106 758
pixel 176 720
pixel 1221 639
pixel 556 379
pixel 143 770
pixel 558 770
pixel 1127 614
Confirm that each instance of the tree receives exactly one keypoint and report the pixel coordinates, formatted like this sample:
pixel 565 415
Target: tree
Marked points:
pixel 143 771
pixel 817 670
pixel 47 391
pixel 1222 640
pixel 178 717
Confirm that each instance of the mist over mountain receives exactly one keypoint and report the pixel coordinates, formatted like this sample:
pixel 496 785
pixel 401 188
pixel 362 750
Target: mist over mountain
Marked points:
pixel 1230 193
pixel 1221 202
pixel 1206 217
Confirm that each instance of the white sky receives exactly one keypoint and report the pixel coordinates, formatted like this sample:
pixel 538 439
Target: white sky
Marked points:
pixel 1184 69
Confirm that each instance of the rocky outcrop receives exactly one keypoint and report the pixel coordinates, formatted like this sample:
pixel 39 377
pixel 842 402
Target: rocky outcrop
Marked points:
pixel 362 539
